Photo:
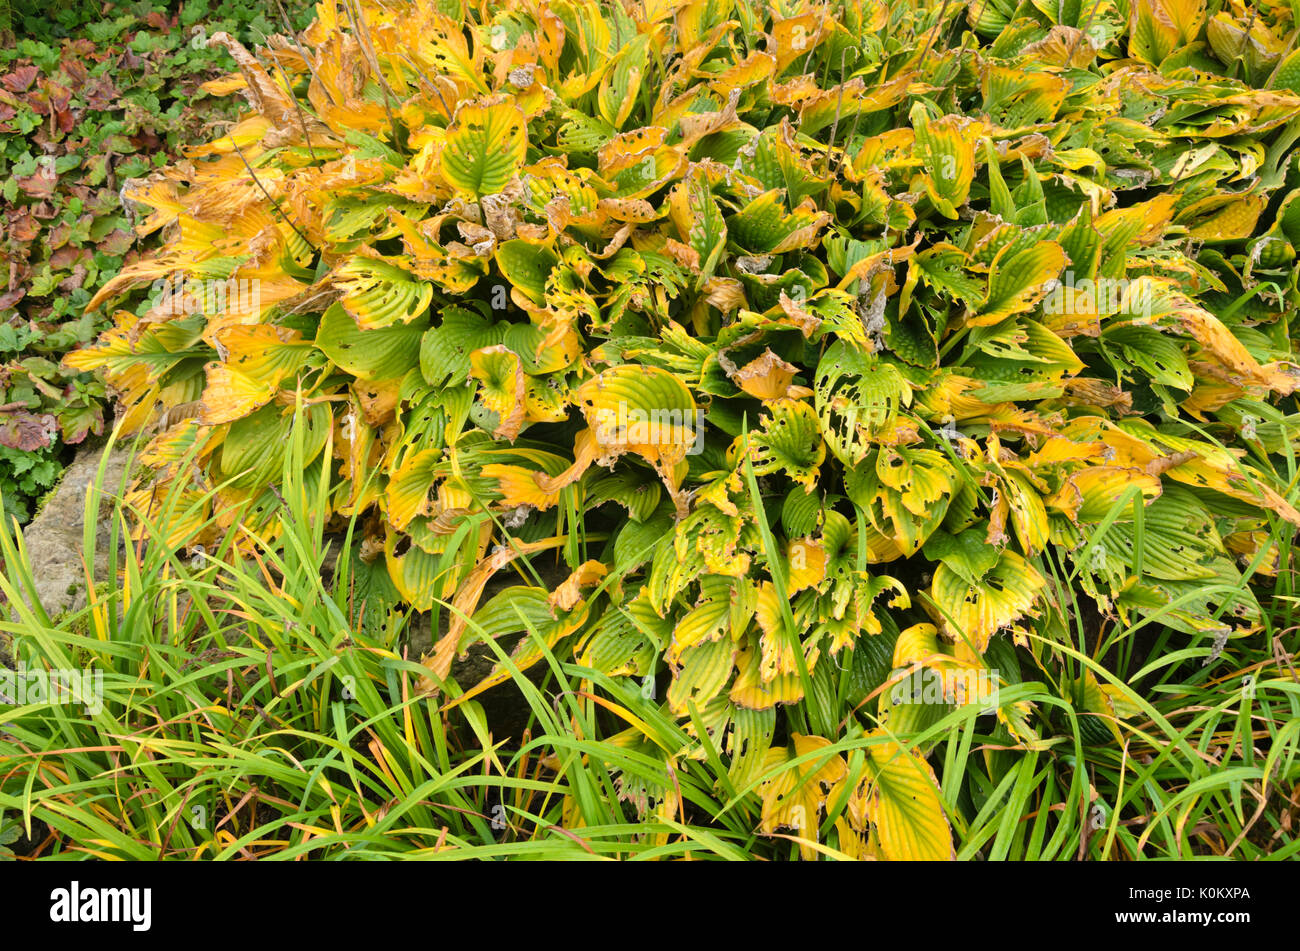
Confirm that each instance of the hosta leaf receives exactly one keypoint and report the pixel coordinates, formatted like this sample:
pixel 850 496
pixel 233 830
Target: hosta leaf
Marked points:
pixel 1015 97
pixel 499 407
pixel 764 227
pixel 252 453
pixel 640 409
pixel 1089 494
pixel 1153 352
pixel 620 85
pixel 617 648
pixel 704 672
pixel 377 293
pixel 941 267
pixel 752 691
pixel 966 553
pixel 903 804
pixel 486 143
pixel 1019 279
pixel 947 147
pixel 258 358
pixel 699 222
pixel 789 441
pixel 1159 27
pixel 919 477
pixel 801 513
pixel 383 354
pixel 445 349
pixel 794 797
pixel 857 398
pixel 408 489
pixel 707 622
pixel 910 509
pixel 640 497
pixel 972 614
pixel 526 266
pixel 1179 539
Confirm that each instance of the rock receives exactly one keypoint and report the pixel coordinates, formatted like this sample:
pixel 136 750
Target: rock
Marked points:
pixel 54 537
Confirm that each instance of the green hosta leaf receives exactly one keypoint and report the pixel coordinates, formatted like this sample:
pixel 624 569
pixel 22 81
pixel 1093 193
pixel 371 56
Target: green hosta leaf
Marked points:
pixel 789 441
pixel 858 395
pixel 486 144
pixel 384 354
pixel 638 495
pixel 1151 350
pixel 445 349
pixel 801 513
pixel 941 268
pixel 973 613
pixel 252 454
pixel 966 553
pixel 377 293
pixel 620 85
pixel 699 222
pixel 616 647
pixel 526 266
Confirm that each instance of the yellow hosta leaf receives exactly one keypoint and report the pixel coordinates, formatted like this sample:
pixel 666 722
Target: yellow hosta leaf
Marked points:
pixel 486 143
pixel 378 293
pixel 807 564
pixel 903 803
pixel 1192 463
pixel 767 377
pixel 407 494
pixel 972 614
pixel 754 68
pixel 947 147
pixel 1019 279
pixel 1089 494
pixel 569 593
pixel 793 38
pixel 703 674
pixel 521 486
pixel 1161 302
pixel 230 395
pixel 640 409
pixel 707 622
pixel 1220 218
pixel 753 691
pixel 920 477
pixel 620 85
pixel 794 797
pixel 957 671
pixel 1016 97
pixel 1028 513
pixel 1159 27
pixel 501 390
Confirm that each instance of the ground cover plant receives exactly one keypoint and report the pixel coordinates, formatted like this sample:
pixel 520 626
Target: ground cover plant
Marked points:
pixel 91 96
pixel 874 422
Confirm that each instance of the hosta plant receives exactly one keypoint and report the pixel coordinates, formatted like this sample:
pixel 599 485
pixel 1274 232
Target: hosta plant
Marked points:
pixel 755 357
